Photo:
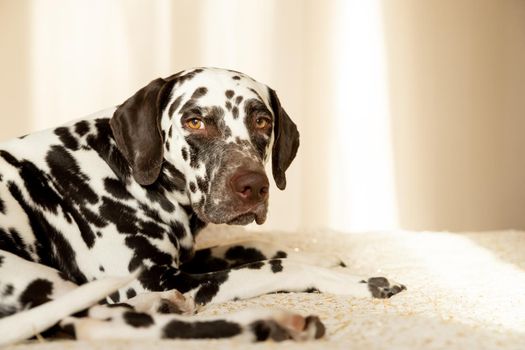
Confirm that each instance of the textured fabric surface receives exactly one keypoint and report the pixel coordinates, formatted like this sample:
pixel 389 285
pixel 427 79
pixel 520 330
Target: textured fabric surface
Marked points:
pixel 465 291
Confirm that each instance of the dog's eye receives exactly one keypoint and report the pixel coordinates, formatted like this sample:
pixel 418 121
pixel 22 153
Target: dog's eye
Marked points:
pixel 261 123
pixel 195 123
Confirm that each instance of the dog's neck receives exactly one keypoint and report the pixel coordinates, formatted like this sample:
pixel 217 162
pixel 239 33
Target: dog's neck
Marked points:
pixel 169 190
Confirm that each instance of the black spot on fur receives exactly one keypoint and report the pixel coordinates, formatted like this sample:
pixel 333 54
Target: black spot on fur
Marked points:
pixel 269 329
pixel 116 188
pixel 235 112
pixel 86 232
pixel 210 287
pixel 168 307
pixel 8 290
pixel 189 106
pixel 184 153
pixel 202 184
pixel 101 268
pixel 130 293
pixel 236 77
pixel 195 149
pixel 115 297
pixel 241 254
pixel 175 105
pixel 228 105
pixel 90 216
pixel 138 319
pixel 7 310
pixel 69 329
pixel 238 100
pixel 150 212
pixel 120 305
pixel 203 262
pixel 82 128
pixel 198 93
pixel 9 158
pixel 229 94
pixel 280 255
pixel 255 265
pixel 122 215
pixel 67 138
pixel 12 242
pixel 69 177
pixel 380 287
pixel 156 194
pixel 276 265
pixel 320 329
pixel 178 231
pixel 2 206
pixel 193 187
pixel 151 229
pixel 196 225
pixel 36 293
pixel 200 329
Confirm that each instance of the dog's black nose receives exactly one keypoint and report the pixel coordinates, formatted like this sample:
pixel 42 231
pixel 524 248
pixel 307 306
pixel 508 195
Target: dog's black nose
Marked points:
pixel 250 186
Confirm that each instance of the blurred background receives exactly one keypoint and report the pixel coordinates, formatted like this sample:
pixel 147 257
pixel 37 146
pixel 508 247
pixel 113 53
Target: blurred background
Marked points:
pixel 411 113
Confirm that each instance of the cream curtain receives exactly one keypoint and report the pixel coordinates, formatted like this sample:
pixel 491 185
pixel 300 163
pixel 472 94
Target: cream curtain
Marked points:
pixel 411 112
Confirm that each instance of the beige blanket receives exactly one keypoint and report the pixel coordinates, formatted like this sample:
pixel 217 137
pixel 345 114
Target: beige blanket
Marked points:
pixel 465 291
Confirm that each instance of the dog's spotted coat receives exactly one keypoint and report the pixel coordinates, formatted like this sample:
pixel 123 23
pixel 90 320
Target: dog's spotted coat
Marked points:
pixel 131 187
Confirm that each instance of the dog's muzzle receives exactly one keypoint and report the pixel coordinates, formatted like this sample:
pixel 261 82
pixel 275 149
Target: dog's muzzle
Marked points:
pixel 250 189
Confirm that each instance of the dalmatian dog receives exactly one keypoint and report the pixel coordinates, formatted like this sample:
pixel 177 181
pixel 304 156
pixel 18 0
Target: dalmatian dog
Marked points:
pixel 98 219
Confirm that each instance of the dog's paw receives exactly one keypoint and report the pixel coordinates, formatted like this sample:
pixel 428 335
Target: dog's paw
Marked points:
pixel 382 288
pixel 288 326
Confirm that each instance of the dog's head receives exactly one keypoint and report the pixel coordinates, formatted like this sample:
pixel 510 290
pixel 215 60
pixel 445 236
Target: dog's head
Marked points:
pixel 218 127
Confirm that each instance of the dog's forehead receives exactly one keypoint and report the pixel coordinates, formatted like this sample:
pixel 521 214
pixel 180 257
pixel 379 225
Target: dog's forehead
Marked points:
pixel 222 86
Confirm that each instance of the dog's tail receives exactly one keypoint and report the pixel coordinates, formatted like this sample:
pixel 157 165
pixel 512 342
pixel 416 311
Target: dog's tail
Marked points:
pixel 28 323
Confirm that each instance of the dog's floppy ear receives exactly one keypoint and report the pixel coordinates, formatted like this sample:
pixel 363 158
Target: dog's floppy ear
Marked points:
pixel 286 141
pixel 136 128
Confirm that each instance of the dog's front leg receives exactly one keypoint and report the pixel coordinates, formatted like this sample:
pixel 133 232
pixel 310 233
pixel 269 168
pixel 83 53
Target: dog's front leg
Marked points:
pixel 283 275
pixel 240 253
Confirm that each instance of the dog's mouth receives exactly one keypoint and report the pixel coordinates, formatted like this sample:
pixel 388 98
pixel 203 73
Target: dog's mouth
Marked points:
pixel 243 219
pixel 257 214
